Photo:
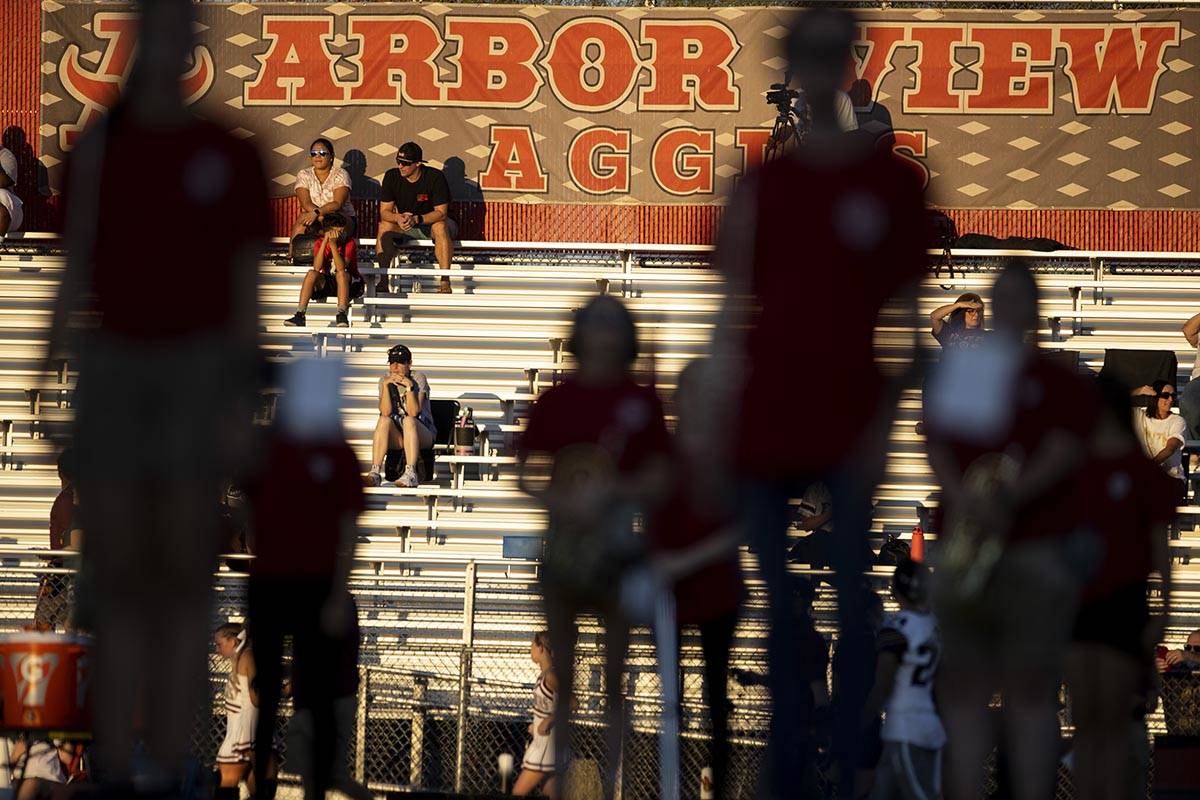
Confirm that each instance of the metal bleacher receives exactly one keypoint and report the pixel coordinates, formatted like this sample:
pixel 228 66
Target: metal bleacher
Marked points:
pixel 498 340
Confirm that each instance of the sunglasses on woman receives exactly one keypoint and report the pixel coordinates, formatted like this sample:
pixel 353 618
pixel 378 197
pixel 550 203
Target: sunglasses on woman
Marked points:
pixel 316 153
pixel 1167 395
pixel 1192 648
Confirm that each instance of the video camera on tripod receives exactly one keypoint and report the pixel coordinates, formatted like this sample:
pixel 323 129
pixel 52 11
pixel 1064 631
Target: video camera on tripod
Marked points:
pixel 790 125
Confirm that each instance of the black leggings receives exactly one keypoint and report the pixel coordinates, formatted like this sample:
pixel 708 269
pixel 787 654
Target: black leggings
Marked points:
pixel 716 640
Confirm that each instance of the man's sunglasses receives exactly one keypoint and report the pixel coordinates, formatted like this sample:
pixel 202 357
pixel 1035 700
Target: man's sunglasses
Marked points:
pixel 321 153
pixel 404 162
pixel 1192 648
pixel 1168 395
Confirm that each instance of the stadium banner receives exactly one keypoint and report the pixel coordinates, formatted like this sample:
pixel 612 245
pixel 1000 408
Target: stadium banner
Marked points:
pixel 996 109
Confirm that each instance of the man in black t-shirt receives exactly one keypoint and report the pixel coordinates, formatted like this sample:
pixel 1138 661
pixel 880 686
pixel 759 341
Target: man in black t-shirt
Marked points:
pixel 414 203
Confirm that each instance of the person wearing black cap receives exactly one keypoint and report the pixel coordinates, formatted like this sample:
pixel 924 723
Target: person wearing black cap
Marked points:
pixel 414 203
pixel 405 418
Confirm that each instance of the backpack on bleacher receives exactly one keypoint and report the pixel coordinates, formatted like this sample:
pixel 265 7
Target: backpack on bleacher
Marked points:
pixel 894 551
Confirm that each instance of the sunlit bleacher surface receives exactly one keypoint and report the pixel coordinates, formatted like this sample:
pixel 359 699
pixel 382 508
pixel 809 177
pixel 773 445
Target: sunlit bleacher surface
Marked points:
pixel 446 618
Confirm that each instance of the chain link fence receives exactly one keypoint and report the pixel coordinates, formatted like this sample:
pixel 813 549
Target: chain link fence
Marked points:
pixel 446 688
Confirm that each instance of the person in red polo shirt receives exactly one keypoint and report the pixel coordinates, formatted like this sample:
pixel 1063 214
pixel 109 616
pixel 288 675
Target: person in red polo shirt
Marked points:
pixel 167 378
pixel 601 439
pixel 1008 431
pixel 815 246
pixel 304 506
pixel 336 247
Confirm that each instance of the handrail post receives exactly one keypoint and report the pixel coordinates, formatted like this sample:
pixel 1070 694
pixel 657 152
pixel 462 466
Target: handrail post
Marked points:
pixel 360 728
pixel 464 674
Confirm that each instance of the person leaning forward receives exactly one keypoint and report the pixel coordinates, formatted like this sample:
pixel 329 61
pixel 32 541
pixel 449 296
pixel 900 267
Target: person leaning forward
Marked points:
pixel 414 204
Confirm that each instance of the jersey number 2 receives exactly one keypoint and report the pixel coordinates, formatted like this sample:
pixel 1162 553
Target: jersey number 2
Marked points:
pixel 923 672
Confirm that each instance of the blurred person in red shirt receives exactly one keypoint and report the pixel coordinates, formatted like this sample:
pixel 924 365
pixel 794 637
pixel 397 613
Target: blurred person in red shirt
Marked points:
pixel 1008 431
pixel 53 604
pixel 304 506
pixel 1128 503
pixel 596 453
pixel 815 247
pixel 166 383
pixel 337 247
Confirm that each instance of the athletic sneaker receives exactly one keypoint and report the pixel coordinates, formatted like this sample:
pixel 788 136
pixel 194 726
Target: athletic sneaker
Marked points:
pixel 341 321
pixel 295 320
pixel 374 478
pixel 409 479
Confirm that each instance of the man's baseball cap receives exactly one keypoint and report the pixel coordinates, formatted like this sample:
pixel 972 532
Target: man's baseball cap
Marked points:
pixel 410 151
pixel 399 354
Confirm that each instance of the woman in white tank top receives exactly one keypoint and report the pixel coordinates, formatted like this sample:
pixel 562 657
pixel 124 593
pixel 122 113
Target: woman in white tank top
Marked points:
pixel 241 709
pixel 538 763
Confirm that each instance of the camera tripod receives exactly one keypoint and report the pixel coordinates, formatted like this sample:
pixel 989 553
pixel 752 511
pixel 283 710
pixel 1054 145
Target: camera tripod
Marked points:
pixel 784 133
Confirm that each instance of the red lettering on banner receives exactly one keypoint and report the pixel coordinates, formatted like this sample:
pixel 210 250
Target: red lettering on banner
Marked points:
pixel 1107 66
pixel 880 43
pixel 598 160
pixel 395 60
pixel 1006 84
pixel 689 66
pixel 911 147
pixel 682 161
pixel 495 62
pixel 592 64
pixel 753 144
pixel 933 68
pixel 298 66
pixel 513 164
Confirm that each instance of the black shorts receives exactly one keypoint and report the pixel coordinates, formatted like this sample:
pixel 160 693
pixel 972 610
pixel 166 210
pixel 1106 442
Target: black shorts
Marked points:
pixel 1116 620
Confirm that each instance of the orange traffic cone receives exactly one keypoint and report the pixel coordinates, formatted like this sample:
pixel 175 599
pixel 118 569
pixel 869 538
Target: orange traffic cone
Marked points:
pixel 917 549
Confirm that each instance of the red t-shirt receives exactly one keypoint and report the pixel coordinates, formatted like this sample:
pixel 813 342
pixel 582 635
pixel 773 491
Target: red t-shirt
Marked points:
pixel 1124 500
pixel 1048 398
pixel 833 244
pixel 349 255
pixel 298 504
pixel 713 591
pixel 626 419
pixel 174 208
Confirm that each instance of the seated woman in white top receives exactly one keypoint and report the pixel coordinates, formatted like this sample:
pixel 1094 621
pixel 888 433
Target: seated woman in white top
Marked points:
pixel 323 188
pixel 1161 433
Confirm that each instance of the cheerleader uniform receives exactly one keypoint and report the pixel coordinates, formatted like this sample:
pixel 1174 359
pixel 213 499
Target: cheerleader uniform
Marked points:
pixel 539 755
pixel 241 717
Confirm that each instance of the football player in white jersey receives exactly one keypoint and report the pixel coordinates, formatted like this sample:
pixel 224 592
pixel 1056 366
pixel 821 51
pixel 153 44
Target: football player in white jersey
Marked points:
pixel 906 665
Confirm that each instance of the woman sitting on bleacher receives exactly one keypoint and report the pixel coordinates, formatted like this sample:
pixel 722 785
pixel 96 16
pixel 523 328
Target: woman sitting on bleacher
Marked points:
pixel 322 189
pixel 959 324
pixel 337 247
pixel 405 418
pixel 1162 433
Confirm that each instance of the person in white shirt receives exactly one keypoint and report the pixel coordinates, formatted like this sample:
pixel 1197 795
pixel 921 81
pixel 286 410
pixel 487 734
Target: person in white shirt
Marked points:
pixel 1189 398
pixel 847 120
pixel 908 649
pixel 1162 433
pixel 12 211
pixel 323 188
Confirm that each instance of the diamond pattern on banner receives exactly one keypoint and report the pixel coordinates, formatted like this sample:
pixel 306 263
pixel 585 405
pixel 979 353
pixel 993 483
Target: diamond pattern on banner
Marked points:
pixel 479 121
pixel 535 107
pixel 1177 97
pixel 236 102
pixel 286 179
pixel 539 137
pixel 1175 128
pixel 199 27
pixel 1129 15
pixel 578 123
pixel 437 9
pixel 383 149
pixel 49 6
pixel 1122 205
pixel 973 159
pixel 1174 190
pixel 384 118
pixel 777 63
pixel 49 99
pixel 288 119
pixel 241 8
pixel 288 150
pixel 1174 159
pixel 528 198
pixel 1022 205
pixel 242 133
pixel 433 134
pixel 725 139
pixel 92 57
pixel 47 130
pixel 479 151
pixel 49 68
pixel 636 139
pixel 339 9
pixel 727 170
pixel 1124 143
pixel 973 128
pixel 1124 175
pixel 1073 159
pixel 533 12
pixel 631 13
pixel 1024 143
pixel 972 189
pixel 674 122
pixel 335 133
pixel 1022 174
pixel 1185 34
pixel 50 37
pixel 628 107
pixel 778 32
pixel 1074 128
pixel 240 71
pixel 931 142
pixel 730 13
pixel 1028 16
pixel 241 40
pixel 928 15
pixel 1072 189
pixel 570 185
pixel 1179 65
pixel 50 161
pixel 636 171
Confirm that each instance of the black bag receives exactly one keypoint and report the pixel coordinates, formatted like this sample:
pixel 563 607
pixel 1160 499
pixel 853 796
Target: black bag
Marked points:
pixel 894 551
pixel 303 246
